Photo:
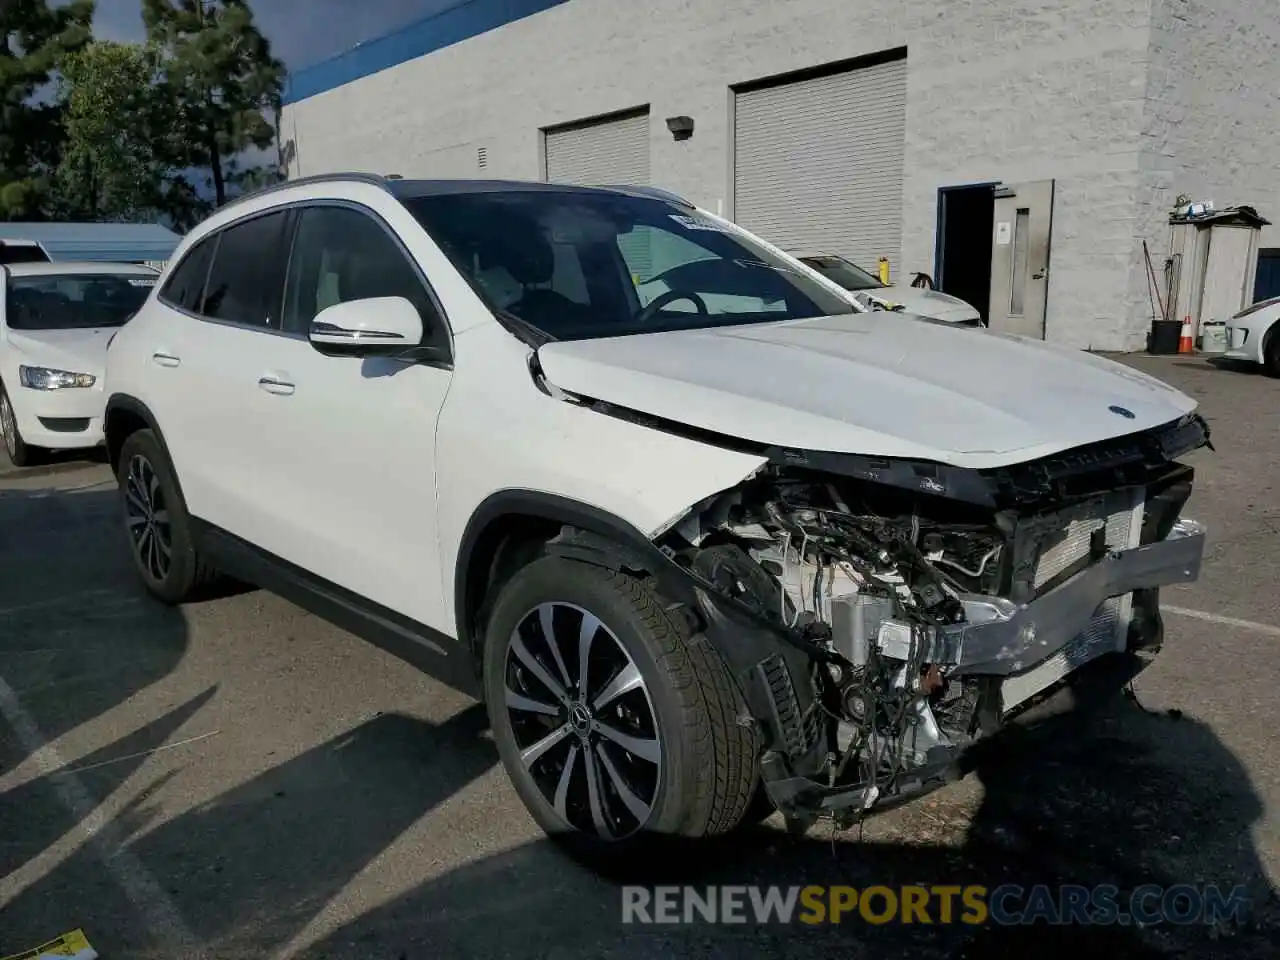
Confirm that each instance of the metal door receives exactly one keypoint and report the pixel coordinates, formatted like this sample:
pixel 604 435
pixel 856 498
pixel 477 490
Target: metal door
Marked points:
pixel 1020 257
pixel 817 165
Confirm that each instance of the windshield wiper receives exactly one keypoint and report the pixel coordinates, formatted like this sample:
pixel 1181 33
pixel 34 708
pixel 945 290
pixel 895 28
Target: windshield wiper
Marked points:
pixel 768 266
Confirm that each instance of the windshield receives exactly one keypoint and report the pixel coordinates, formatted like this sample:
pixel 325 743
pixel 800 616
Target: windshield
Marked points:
pixel 68 302
pixel 576 264
pixel 841 271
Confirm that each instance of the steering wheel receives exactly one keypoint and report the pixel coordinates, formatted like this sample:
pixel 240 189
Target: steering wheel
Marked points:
pixel 671 296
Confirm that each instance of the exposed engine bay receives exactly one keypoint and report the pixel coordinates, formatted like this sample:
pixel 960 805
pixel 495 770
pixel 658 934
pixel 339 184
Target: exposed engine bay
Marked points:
pixel 877 586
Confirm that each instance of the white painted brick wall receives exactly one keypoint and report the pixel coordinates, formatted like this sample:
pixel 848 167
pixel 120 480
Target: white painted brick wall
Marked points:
pixel 1007 90
pixel 1212 124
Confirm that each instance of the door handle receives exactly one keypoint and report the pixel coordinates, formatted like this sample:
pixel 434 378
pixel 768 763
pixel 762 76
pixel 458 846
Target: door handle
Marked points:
pixel 165 359
pixel 1040 274
pixel 275 385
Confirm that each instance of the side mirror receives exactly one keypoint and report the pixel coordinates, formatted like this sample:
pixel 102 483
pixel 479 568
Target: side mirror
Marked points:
pixel 374 326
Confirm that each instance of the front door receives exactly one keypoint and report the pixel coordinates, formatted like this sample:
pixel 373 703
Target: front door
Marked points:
pixel 1020 257
pixel 348 455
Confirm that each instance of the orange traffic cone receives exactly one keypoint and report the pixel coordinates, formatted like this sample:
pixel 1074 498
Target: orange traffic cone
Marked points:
pixel 1186 344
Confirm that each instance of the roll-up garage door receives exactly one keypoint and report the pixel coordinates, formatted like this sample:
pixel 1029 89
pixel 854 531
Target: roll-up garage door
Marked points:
pixel 818 162
pixel 610 150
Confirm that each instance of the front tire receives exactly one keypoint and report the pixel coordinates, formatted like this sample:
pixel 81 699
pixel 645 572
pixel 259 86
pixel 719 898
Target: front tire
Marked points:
pixel 20 454
pixel 157 522
pixel 1271 355
pixel 617 727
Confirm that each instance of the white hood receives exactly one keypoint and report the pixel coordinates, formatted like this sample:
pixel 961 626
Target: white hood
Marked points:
pixel 77 351
pixel 856 384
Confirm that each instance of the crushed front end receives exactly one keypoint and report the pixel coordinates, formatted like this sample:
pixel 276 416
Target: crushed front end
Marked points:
pixel 881 616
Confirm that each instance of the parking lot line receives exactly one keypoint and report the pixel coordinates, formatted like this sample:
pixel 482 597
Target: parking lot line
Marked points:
pixel 154 906
pixel 1263 628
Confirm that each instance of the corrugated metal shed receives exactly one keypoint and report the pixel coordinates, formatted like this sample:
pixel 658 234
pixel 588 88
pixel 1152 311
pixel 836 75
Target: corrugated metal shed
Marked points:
pixel 121 242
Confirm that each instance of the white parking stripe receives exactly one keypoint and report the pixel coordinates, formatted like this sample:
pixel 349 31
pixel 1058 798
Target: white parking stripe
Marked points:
pixel 147 896
pixel 1263 628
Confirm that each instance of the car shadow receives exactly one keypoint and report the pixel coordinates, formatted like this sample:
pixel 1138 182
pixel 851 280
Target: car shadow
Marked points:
pixel 1125 798
pixel 1219 365
pixel 80 636
pixel 250 869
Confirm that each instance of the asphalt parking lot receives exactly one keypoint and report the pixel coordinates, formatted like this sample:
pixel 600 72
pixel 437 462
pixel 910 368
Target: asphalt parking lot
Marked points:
pixel 240 779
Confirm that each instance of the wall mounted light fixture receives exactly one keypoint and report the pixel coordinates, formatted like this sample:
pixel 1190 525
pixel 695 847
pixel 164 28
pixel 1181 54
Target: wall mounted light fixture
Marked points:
pixel 681 127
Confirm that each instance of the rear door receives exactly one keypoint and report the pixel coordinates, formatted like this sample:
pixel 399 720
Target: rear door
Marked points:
pixel 1022 229
pixel 210 358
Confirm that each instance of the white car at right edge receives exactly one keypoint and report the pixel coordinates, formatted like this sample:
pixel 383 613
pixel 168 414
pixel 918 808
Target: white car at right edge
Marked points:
pixel 737 539
pixel 1253 335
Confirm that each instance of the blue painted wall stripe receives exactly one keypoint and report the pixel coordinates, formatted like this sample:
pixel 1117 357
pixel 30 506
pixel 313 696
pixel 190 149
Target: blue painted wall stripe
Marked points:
pixel 461 22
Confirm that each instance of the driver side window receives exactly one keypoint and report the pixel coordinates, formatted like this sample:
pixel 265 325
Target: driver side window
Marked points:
pixel 341 254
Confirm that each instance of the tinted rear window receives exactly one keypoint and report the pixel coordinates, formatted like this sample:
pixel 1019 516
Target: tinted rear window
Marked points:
pixel 246 283
pixel 185 286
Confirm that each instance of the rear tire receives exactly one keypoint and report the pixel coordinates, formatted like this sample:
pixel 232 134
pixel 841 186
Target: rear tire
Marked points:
pixel 691 768
pixel 19 452
pixel 157 523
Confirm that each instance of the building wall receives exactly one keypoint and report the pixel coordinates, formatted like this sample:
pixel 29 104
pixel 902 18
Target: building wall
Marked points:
pixel 1211 129
pixel 1007 90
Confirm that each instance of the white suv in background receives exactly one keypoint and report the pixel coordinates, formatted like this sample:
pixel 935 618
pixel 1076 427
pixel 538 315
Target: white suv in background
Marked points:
pixel 55 321
pixel 735 539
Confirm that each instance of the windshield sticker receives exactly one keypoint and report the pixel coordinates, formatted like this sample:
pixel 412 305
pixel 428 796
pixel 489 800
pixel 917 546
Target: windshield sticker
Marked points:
pixel 141 282
pixel 694 223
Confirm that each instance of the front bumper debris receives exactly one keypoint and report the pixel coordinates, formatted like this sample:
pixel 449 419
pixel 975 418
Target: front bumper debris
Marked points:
pixel 1001 638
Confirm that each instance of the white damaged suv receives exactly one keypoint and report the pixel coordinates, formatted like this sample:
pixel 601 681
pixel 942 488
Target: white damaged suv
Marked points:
pixel 737 539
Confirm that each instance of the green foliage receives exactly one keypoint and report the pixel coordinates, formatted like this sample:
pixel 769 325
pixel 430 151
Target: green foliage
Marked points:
pixel 113 164
pixel 219 78
pixel 34 38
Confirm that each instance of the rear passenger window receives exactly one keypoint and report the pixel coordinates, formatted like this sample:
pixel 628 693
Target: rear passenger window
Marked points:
pixel 246 283
pixel 185 286
pixel 340 254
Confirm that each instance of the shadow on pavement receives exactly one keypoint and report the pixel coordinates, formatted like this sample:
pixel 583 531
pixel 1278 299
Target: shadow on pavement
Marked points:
pixel 1127 798
pixel 77 638
pixel 250 869
pixel 79 635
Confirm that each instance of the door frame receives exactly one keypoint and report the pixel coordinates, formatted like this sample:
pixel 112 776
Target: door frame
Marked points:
pixel 940 221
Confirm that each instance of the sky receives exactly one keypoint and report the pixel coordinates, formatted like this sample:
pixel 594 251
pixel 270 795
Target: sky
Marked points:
pixel 302 32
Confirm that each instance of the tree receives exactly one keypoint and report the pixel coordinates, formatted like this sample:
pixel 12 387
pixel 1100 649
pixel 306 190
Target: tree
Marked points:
pixel 219 77
pixel 113 164
pixel 33 38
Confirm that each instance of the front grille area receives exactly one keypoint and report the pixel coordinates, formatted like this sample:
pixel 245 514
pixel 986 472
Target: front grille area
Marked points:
pixel 1049 545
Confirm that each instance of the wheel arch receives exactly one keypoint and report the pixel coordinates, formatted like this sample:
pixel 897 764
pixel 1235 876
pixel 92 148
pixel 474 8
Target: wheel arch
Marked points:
pixel 510 524
pixel 1268 339
pixel 124 416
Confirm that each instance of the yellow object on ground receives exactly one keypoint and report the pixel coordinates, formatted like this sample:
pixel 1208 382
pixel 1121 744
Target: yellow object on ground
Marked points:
pixel 884 270
pixel 69 946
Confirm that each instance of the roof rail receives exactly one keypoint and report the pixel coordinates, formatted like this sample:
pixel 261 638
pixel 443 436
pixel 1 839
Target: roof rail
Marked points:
pixel 656 193
pixel 373 179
